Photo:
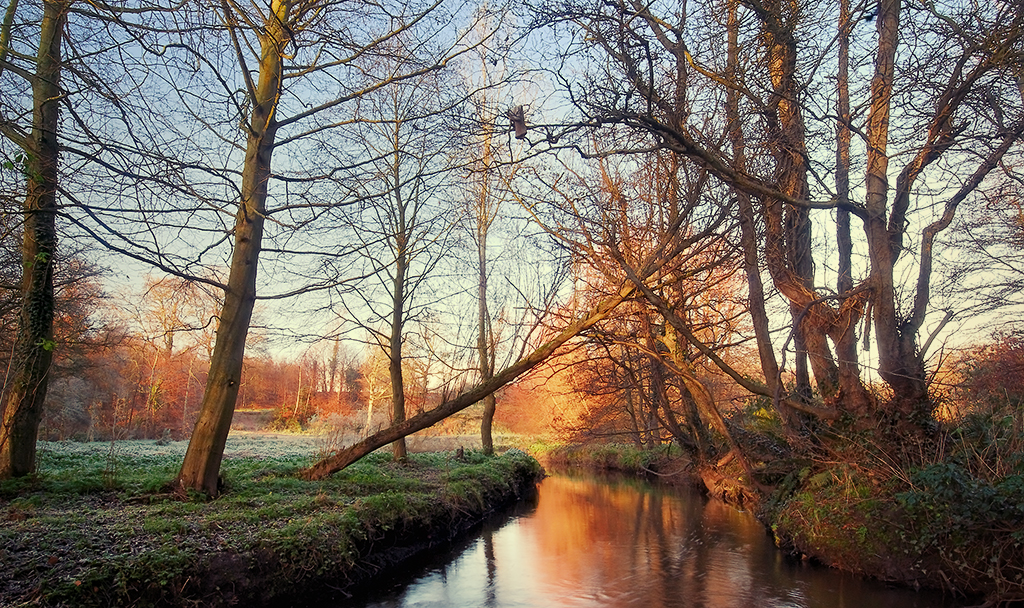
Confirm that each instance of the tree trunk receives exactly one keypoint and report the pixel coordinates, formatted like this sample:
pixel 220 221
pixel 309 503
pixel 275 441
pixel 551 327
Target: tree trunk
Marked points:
pixel 483 337
pixel 756 302
pixel 395 354
pixel 33 351
pixel 483 344
pixel 402 238
pixel 201 467
pixel 486 209
pixel 486 438
pixel 853 395
pixel 332 370
pixel 695 423
pixel 706 405
pixel 899 363
pixel 634 425
pixel 788 242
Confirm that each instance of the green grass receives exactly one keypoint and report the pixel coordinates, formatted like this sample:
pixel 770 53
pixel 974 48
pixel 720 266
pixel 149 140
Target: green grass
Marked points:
pixel 98 527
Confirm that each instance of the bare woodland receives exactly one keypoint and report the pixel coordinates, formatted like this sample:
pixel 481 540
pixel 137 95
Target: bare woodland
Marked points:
pixel 688 207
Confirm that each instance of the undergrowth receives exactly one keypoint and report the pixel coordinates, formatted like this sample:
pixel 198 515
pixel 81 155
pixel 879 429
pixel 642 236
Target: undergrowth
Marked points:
pixel 947 511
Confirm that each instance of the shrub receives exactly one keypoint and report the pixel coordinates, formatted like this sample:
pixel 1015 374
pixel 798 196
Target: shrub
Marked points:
pixel 973 526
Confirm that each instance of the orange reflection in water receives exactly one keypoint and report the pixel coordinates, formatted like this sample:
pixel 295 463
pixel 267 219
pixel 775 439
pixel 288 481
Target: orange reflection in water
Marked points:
pixel 624 544
pixel 597 543
pixel 631 544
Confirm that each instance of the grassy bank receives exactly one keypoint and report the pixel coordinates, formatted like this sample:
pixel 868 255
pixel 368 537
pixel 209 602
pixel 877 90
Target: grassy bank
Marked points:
pixel 666 462
pixel 96 527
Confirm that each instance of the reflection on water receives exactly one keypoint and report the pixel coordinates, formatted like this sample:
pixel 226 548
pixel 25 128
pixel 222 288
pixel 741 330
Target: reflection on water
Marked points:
pixel 591 543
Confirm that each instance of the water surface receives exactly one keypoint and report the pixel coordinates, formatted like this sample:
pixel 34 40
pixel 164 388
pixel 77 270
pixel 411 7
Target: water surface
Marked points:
pixel 588 542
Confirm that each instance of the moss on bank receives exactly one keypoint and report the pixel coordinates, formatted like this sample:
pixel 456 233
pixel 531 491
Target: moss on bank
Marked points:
pixel 934 525
pixel 95 529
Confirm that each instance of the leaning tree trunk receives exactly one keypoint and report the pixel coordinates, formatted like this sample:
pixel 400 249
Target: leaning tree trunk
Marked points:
pixel 201 467
pixel 346 456
pixel 33 351
pixel 698 430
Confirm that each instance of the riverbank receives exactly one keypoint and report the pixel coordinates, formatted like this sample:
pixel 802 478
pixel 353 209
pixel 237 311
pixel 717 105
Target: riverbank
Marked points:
pixel 97 528
pixel 666 464
pixel 940 525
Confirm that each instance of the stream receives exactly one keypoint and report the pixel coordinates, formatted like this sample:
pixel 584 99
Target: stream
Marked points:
pixel 592 542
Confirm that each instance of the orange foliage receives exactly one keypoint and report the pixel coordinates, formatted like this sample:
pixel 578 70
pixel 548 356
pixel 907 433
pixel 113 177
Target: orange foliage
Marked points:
pixel 542 402
pixel 144 376
pixel 990 375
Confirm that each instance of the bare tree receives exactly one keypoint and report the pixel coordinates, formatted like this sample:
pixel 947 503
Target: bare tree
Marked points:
pixel 405 221
pixel 484 211
pixel 491 168
pixel 654 55
pixel 614 216
pixel 235 85
pixel 183 178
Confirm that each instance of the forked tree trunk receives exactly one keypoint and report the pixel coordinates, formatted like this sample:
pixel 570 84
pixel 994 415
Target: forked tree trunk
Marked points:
pixel 787 246
pixel 899 363
pixel 788 237
pixel 33 351
pixel 201 467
